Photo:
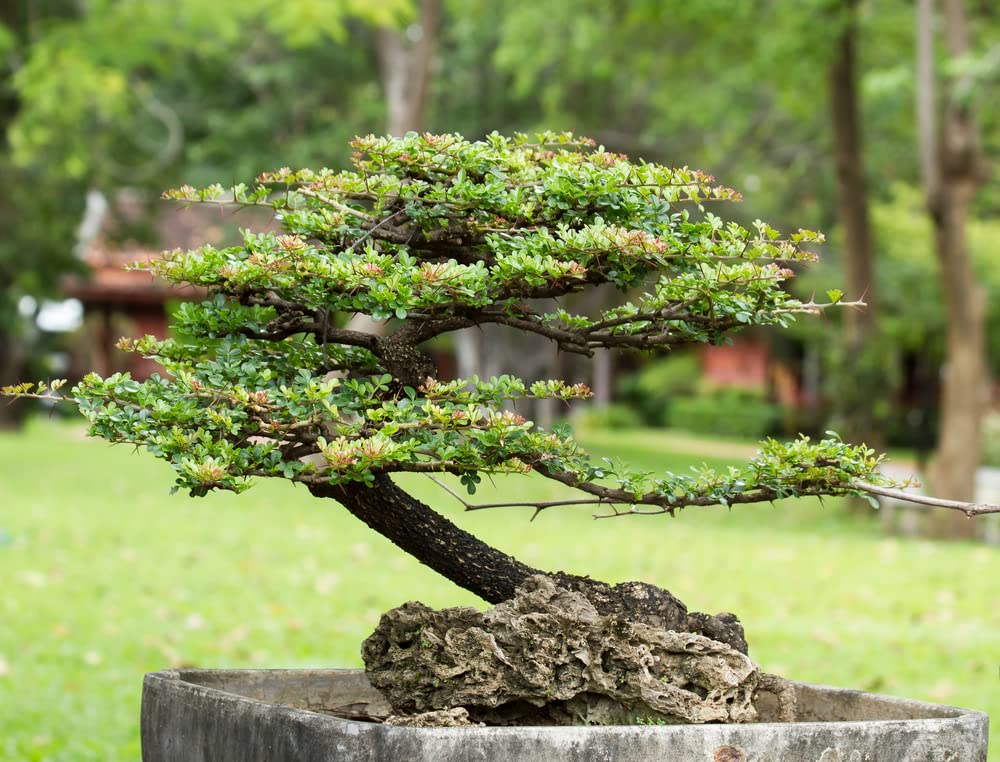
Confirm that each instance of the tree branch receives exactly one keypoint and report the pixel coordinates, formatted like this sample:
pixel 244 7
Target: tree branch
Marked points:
pixel 670 504
pixel 539 506
pixel 969 509
pixel 295 321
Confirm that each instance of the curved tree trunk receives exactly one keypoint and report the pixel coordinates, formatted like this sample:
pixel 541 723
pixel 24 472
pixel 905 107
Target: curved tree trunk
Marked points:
pixel 495 576
pixel 430 538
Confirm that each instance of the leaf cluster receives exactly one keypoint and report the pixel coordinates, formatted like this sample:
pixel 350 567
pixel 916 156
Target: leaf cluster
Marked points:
pixel 433 233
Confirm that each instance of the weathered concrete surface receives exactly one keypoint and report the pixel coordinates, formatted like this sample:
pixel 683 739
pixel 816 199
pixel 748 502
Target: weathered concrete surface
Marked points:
pixel 278 716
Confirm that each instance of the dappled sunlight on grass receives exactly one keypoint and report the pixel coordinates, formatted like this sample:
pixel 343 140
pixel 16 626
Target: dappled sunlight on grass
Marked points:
pixel 106 576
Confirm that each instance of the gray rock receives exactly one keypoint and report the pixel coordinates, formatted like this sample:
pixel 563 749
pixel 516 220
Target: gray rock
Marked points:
pixel 548 657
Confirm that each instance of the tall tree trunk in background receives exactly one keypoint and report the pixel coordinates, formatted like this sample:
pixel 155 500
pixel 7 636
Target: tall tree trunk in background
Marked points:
pixel 953 169
pixel 604 378
pixel 405 58
pixel 861 369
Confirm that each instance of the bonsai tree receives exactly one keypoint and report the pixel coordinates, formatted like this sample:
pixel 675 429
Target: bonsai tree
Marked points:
pixel 429 234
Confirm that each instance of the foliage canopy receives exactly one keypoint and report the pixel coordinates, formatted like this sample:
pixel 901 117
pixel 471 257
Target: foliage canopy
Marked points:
pixel 435 233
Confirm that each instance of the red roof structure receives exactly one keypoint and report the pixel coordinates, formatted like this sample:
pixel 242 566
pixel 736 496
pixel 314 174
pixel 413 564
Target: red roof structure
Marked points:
pixel 133 302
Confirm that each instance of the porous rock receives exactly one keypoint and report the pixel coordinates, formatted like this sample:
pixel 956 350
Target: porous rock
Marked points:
pixel 444 718
pixel 547 656
pixel 652 605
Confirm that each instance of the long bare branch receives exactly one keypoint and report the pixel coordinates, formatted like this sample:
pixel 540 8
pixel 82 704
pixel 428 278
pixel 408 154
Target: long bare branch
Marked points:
pixel 969 509
pixel 661 503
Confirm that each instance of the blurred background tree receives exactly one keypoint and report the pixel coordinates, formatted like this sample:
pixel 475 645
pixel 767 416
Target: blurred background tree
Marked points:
pixel 954 168
pixel 39 212
pixel 806 106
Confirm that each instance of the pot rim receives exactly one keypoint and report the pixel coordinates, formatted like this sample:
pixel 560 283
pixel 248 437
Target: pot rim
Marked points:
pixel 939 715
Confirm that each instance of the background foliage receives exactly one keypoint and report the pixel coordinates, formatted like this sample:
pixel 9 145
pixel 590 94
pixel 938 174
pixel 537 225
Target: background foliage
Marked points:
pixel 229 90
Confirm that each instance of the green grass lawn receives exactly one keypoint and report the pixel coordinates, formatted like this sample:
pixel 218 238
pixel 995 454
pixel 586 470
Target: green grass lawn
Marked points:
pixel 105 576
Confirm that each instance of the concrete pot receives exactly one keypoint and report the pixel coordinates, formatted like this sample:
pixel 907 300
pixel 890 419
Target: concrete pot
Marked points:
pixel 286 716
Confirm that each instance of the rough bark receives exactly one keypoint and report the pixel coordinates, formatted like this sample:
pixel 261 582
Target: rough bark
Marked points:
pixel 953 170
pixel 495 576
pixel 431 538
pixel 860 327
